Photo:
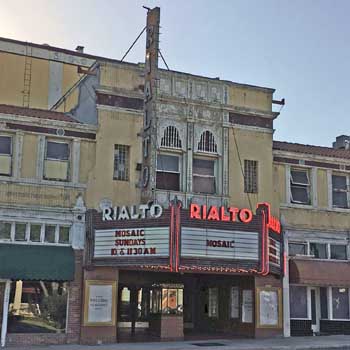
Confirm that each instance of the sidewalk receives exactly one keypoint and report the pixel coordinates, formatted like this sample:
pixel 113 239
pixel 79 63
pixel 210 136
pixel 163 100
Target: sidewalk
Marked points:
pixel 341 342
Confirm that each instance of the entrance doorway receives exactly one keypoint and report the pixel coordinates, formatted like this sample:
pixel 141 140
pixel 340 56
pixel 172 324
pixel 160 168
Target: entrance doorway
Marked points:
pixel 315 309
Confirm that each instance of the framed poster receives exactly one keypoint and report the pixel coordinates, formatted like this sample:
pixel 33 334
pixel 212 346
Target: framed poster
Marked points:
pixel 100 303
pixel 269 307
pixel 247 306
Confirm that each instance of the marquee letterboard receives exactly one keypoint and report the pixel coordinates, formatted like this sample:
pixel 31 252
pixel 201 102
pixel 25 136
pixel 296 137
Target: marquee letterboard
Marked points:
pixel 132 242
pixel 220 244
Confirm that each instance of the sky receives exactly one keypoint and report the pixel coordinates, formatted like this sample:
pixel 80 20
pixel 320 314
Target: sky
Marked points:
pixel 301 48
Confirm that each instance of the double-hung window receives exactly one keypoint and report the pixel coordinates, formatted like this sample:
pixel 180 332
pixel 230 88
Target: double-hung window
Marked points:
pixel 168 172
pixel 204 175
pixel 57 161
pixel 5 155
pixel 340 191
pixel 300 186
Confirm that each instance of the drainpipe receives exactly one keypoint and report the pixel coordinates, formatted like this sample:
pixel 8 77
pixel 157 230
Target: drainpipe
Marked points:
pixel 5 313
pixel 285 283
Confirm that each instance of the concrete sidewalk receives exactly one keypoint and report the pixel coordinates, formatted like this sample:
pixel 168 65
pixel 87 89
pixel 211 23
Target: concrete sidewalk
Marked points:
pixel 341 342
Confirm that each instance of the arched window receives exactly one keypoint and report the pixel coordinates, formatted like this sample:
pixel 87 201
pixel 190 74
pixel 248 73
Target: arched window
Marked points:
pixel 171 138
pixel 207 143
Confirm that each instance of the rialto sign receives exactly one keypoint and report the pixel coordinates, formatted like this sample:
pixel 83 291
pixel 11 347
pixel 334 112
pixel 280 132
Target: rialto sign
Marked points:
pixel 221 242
pixel 132 212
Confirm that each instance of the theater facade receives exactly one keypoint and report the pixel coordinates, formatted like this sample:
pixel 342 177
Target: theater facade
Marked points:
pixel 165 273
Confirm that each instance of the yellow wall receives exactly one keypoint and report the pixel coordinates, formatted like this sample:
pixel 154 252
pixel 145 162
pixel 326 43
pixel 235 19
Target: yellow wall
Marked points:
pixel 30 145
pixel 126 77
pixel 12 77
pixel 252 145
pixel 12 81
pixel 250 98
pixel 115 128
pixel 322 188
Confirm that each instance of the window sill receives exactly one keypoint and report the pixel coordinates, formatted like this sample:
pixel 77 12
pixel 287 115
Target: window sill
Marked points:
pixel 31 181
pixel 8 241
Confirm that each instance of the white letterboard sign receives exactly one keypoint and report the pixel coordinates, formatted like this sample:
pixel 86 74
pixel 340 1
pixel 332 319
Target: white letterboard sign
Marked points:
pixel 132 242
pixel 219 244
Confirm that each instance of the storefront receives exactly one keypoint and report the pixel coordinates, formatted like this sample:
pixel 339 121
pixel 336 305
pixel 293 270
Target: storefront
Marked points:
pixel 41 277
pixel 155 273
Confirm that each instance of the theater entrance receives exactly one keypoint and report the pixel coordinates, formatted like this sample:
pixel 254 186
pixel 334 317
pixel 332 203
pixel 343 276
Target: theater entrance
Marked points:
pixel 158 306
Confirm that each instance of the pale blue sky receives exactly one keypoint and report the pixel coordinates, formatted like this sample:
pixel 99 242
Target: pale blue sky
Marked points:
pixel 300 47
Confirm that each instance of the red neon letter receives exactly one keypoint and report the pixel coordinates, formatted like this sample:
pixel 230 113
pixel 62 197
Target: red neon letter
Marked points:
pixel 223 215
pixel 233 211
pixel 213 213
pixel 195 211
pixel 204 212
pixel 245 215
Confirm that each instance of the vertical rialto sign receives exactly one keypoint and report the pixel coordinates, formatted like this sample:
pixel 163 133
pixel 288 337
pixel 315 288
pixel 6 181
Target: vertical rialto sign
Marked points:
pixel 150 99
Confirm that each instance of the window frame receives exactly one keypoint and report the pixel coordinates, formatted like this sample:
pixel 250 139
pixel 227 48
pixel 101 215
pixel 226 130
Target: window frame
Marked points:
pixel 11 145
pixel 305 244
pixel 126 164
pixel 307 186
pixel 207 157
pixel 60 142
pixel 178 155
pixel 347 190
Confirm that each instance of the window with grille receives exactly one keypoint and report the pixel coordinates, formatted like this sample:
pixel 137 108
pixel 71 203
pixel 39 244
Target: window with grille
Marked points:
pixel 207 143
pixel 340 191
pixel 250 176
pixel 204 176
pixel 300 186
pixel 171 138
pixel 121 162
pixel 168 172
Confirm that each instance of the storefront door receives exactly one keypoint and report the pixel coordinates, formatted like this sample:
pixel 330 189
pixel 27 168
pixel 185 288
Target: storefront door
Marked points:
pixel 315 309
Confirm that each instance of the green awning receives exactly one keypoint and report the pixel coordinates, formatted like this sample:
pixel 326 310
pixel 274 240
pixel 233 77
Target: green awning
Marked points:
pixel 36 262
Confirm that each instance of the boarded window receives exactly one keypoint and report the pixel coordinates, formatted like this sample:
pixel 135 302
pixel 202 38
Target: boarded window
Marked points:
pixel 35 232
pixel 250 176
pixel 171 138
pixel 57 150
pixel 318 250
pixel 204 176
pixel 338 252
pixel 6 145
pixel 20 232
pixel 297 249
pixel 340 302
pixel 207 143
pixel 340 191
pixel 300 186
pixel 168 173
pixel 298 302
pixel 5 230
pixel 121 162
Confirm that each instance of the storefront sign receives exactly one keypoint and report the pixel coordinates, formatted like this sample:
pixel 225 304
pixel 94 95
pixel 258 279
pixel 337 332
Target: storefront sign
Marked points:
pixel 220 244
pixel 232 214
pixel 133 212
pixel 99 303
pixel 132 242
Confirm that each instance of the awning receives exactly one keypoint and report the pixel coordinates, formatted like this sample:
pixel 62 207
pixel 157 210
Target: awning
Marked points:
pixel 36 262
pixel 318 272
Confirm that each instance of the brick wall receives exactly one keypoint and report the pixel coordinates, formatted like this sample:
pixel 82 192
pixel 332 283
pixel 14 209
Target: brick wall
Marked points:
pixel 73 316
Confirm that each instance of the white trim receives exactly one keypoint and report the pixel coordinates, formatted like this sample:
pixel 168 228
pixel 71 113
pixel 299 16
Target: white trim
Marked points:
pixel 40 157
pixel 5 312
